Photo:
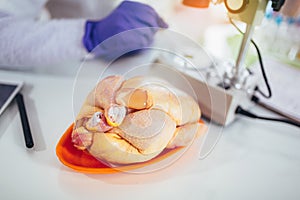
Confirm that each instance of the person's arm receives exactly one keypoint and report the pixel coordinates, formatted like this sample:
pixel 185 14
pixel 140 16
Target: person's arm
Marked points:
pixel 25 42
pixel 128 28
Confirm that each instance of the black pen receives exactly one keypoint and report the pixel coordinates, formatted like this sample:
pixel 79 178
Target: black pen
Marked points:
pixel 25 124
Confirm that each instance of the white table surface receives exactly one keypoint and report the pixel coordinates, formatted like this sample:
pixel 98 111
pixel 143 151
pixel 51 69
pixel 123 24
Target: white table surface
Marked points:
pixel 252 160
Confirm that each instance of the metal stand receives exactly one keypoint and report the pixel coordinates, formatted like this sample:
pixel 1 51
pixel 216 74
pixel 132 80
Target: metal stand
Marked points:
pixel 236 80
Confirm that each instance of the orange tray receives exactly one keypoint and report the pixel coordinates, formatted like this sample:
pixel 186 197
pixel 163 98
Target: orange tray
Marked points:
pixel 84 162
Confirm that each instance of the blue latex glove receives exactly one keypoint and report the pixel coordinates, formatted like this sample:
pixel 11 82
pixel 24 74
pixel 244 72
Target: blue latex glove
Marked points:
pixel 131 26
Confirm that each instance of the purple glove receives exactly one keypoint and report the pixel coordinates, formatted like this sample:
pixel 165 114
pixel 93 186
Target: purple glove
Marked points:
pixel 131 26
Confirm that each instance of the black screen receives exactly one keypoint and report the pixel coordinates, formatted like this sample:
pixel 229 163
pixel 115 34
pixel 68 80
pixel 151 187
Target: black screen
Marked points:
pixel 5 92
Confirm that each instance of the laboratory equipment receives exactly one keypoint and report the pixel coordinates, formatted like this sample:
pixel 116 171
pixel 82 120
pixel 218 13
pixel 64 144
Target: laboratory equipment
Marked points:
pixel 237 84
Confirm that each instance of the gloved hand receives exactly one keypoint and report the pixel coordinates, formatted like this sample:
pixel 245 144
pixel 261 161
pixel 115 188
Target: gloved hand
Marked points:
pixel 131 26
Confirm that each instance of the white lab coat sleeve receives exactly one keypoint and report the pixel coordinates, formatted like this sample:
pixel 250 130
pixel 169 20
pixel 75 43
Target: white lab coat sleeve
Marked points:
pixel 26 42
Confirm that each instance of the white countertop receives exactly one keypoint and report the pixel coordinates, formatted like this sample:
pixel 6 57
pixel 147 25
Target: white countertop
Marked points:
pixel 252 160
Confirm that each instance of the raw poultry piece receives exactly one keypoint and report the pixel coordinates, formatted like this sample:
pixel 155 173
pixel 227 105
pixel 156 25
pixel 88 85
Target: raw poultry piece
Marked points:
pixel 134 120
